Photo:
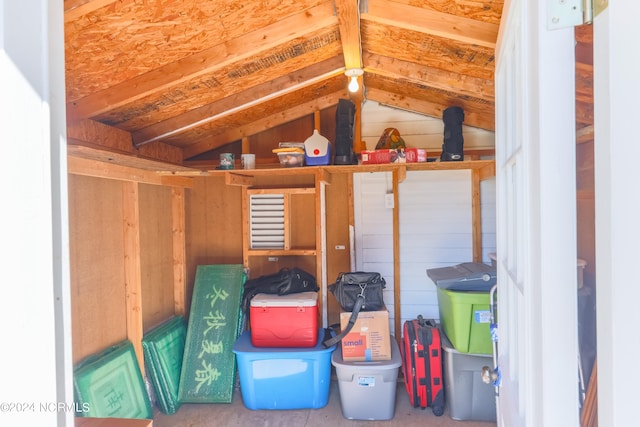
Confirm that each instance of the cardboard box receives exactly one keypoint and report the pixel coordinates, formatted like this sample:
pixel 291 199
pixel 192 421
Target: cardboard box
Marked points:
pixel 415 155
pixel 374 157
pixel 369 339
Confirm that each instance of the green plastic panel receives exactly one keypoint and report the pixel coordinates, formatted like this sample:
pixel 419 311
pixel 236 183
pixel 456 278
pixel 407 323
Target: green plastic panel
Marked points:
pixel 110 385
pixel 163 351
pixel 209 364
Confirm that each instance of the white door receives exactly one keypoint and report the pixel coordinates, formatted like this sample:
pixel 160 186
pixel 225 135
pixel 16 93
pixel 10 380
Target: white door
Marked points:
pixel 616 91
pixel 536 237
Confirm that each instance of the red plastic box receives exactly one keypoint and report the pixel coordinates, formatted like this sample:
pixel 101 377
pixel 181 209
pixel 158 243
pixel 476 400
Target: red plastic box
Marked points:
pixel 284 320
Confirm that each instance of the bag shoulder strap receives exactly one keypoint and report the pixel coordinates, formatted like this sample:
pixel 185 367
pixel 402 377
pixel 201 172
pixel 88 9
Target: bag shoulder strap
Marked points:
pixel 352 320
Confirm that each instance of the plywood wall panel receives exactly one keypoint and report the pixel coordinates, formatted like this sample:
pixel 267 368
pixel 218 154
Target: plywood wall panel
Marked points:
pixel 156 254
pixel 339 212
pixel 97 264
pixel 213 225
pixel 303 224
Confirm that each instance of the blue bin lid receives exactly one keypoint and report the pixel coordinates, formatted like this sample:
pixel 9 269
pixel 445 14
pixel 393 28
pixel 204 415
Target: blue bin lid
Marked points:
pixel 243 345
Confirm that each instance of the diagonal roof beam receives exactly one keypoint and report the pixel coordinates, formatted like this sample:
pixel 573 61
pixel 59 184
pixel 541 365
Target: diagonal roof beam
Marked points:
pixel 433 77
pixel 425 21
pixel 204 62
pixel 240 101
pixel 293 113
pixel 73 9
pixel 483 119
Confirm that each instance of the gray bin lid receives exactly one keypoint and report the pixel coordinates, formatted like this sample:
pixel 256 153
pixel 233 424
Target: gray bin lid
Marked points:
pixel 468 276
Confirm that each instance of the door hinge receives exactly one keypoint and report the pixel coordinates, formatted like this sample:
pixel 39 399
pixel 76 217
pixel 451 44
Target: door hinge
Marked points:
pixel 571 13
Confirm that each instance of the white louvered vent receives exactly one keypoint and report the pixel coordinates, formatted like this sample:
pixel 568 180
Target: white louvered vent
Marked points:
pixel 266 225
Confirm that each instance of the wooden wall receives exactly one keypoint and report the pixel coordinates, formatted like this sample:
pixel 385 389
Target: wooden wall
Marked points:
pixel 136 237
pixel 156 254
pixel 96 242
pixel 126 244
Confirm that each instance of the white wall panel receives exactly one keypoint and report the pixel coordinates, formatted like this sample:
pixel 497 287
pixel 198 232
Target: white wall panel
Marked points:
pixel 435 231
pixel 435 212
pixel 416 129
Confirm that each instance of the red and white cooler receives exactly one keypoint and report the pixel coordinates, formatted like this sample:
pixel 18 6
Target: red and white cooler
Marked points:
pixel 284 320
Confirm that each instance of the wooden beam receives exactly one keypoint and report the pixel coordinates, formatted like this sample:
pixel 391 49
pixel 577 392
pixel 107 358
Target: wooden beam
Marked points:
pixel 295 112
pixel 433 77
pixel 74 9
pixel 397 306
pixel 321 249
pixel 207 61
pixel 322 175
pixel 432 22
pixel 476 216
pixel 240 101
pixel 349 23
pixel 107 170
pixel 481 119
pixel 96 135
pixel 231 178
pixel 179 250
pixel 132 268
pixel 488 171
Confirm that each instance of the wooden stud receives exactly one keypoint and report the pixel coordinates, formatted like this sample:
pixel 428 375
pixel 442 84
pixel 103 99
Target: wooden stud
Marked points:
pixel 246 146
pixel 287 221
pixel 320 224
pixel 179 250
pixel 316 120
pixel 396 254
pixel 132 267
pixel 476 216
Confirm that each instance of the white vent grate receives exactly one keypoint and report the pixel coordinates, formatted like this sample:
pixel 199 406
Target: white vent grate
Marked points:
pixel 266 224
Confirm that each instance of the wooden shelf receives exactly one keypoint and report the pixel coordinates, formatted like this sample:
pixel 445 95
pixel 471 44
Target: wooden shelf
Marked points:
pixel 281 252
pixel 486 169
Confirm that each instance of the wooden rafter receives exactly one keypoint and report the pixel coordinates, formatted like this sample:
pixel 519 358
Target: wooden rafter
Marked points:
pixel 432 22
pixel 474 118
pixel 240 101
pixel 434 77
pixel 274 120
pixel 349 23
pixel 203 62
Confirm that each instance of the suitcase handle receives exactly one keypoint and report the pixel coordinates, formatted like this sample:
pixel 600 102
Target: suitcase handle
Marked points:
pixel 426 322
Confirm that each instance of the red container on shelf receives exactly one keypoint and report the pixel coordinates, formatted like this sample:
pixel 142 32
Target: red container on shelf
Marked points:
pixel 284 320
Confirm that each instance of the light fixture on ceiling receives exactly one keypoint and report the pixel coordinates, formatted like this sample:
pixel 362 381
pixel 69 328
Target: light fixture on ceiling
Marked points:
pixel 353 74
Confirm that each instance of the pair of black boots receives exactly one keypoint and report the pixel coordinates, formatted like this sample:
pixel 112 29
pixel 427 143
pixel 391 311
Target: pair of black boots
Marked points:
pixel 452 147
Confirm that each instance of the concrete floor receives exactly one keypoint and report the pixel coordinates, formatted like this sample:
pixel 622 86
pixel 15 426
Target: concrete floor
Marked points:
pixel 236 414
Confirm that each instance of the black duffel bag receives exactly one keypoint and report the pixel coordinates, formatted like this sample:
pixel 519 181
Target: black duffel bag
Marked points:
pixel 356 291
pixel 349 286
pixel 284 282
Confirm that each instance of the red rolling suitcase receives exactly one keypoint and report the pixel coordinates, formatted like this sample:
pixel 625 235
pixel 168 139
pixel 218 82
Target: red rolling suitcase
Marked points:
pixel 422 364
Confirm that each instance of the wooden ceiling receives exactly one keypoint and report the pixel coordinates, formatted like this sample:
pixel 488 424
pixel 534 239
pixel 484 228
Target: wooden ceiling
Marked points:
pixel 172 79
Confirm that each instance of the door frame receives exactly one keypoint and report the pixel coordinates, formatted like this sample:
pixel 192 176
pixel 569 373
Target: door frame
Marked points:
pixel 537 281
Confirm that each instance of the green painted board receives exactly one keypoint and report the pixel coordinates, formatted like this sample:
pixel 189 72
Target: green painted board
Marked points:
pixel 209 364
pixel 110 385
pixel 163 349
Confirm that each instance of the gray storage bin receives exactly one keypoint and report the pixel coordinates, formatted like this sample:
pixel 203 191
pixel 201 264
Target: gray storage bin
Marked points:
pixel 467 396
pixel 368 389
